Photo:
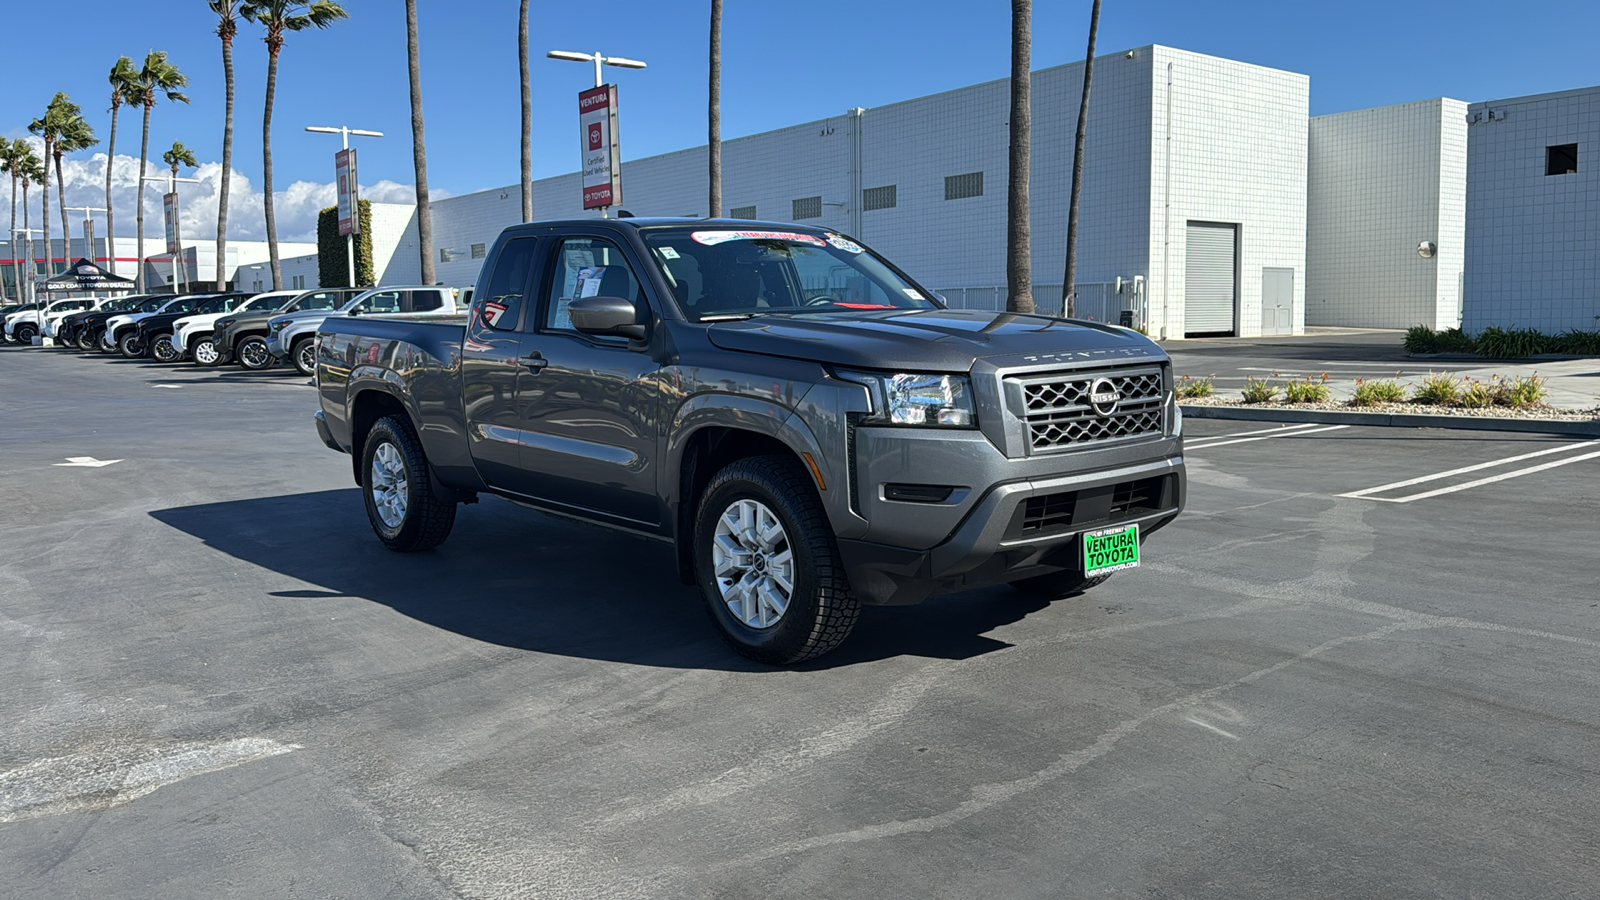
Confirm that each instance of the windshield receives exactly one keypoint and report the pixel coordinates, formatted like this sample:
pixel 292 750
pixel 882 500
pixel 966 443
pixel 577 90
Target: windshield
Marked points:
pixel 181 305
pixel 319 300
pixel 215 305
pixel 722 273
pixel 154 303
pixel 264 303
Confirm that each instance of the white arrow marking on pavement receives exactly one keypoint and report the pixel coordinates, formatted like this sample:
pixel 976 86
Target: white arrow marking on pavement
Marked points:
pixel 173 386
pixel 87 462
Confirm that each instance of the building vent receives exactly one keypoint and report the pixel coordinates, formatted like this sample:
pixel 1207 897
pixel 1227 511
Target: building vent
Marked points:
pixel 960 187
pixel 878 198
pixel 808 208
pixel 749 212
pixel 479 250
pixel 1561 159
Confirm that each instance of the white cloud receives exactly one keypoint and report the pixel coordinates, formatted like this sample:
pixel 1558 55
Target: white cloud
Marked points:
pixel 295 205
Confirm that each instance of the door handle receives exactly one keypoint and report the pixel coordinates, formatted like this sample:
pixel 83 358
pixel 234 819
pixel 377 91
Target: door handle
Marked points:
pixel 534 361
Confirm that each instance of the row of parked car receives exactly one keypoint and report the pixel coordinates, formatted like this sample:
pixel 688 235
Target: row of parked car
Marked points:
pixel 253 330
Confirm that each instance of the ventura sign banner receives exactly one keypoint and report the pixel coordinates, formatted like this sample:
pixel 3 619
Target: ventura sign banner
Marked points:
pixel 344 166
pixel 602 155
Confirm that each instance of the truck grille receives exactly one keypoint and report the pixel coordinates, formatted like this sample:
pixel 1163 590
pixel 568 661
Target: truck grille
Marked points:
pixel 1097 507
pixel 1059 413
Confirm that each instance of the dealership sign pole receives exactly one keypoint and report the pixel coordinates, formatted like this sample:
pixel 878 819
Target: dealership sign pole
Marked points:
pixel 602 154
pixel 169 215
pixel 344 168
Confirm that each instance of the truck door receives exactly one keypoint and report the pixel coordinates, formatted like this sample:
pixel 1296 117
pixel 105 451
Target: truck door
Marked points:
pixel 589 414
pixel 493 370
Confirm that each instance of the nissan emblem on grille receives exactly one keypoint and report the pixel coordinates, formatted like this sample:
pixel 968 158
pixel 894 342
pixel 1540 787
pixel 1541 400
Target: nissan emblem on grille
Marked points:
pixel 1068 409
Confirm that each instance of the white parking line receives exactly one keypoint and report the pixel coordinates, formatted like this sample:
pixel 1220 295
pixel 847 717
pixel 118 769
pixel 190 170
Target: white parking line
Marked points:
pixel 1517 473
pixel 1266 437
pixel 1273 430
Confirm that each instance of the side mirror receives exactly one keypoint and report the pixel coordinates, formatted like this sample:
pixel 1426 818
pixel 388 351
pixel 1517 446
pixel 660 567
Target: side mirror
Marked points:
pixel 607 317
pixel 354 311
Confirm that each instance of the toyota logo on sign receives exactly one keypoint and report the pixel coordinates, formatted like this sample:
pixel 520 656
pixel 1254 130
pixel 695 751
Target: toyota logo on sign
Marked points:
pixel 594 136
pixel 1103 396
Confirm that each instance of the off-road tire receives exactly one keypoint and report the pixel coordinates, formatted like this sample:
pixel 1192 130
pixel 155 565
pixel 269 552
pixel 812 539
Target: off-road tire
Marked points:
pixel 204 353
pixel 130 346
pixel 1064 583
pixel 427 519
pixel 244 355
pixel 822 609
pixel 304 355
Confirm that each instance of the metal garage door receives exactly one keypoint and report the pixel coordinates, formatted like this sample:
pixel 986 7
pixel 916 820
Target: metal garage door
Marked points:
pixel 1209 279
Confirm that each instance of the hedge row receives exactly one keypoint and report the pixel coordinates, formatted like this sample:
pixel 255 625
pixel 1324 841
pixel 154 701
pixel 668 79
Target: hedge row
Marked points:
pixel 1495 342
pixel 333 269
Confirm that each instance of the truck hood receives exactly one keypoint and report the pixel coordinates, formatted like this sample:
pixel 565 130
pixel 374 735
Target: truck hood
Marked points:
pixel 935 340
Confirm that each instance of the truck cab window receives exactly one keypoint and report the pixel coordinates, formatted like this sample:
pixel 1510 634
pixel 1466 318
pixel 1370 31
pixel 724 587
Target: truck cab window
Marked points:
pixel 381 302
pixel 588 267
pixel 500 303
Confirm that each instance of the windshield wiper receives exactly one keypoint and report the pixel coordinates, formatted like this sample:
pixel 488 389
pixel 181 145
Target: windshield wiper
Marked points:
pixel 728 317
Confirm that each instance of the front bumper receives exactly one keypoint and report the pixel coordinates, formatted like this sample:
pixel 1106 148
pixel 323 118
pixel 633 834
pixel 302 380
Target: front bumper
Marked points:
pixel 276 348
pixel 1005 538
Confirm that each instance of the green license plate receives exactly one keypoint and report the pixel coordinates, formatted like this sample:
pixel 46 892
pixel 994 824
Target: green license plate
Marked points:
pixel 1110 550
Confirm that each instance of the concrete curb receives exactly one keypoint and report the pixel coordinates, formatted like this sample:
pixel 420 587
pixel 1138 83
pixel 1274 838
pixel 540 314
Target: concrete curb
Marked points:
pixel 1489 362
pixel 1401 420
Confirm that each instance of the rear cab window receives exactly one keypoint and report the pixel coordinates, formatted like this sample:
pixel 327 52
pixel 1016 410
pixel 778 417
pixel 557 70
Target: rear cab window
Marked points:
pixel 501 302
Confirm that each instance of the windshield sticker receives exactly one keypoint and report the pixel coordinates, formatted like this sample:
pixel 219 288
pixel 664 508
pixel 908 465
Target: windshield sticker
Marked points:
pixel 668 253
pixel 840 242
pixel 913 293
pixel 589 281
pixel 862 305
pixel 712 238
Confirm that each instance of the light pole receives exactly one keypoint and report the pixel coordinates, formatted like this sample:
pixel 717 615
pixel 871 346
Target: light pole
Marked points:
pixel 598 59
pixel 172 188
pixel 88 232
pixel 344 133
pixel 31 293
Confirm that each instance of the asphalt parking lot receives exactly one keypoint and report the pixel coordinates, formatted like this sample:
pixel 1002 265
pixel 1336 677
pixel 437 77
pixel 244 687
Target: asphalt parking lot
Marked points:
pixel 1363 664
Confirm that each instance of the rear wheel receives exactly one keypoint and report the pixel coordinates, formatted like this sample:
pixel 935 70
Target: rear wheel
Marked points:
pixel 1058 584
pixel 162 350
pixel 205 352
pixel 767 563
pixel 253 353
pixel 304 355
pixel 130 346
pixel 398 489
pixel 24 333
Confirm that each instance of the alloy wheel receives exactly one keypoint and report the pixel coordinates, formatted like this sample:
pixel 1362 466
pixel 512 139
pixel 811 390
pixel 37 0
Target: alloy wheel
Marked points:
pixel 254 355
pixel 389 485
pixel 163 351
pixel 753 562
pixel 205 352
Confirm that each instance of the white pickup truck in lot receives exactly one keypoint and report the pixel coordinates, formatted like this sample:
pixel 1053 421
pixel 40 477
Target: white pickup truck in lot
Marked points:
pixel 292 335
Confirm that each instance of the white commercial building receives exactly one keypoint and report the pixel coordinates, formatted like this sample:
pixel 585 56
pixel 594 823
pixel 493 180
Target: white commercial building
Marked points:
pixel 1386 216
pixel 395 258
pixel 1533 213
pixel 1194 196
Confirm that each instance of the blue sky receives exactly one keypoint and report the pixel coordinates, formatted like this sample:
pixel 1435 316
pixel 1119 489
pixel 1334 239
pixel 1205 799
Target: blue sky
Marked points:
pixel 782 64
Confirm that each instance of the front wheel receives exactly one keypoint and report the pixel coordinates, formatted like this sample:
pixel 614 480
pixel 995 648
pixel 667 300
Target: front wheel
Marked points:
pixel 88 340
pixel 767 563
pixel 23 334
pixel 163 351
pixel 130 346
pixel 398 489
pixel 1064 583
pixel 304 355
pixel 253 353
pixel 206 353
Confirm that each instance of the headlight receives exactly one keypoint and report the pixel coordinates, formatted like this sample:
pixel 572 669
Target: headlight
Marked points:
pixel 278 326
pixel 939 401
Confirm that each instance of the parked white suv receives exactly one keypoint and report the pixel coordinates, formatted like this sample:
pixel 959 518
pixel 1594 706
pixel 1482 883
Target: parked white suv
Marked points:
pixel 191 335
pixel 23 326
pixel 292 335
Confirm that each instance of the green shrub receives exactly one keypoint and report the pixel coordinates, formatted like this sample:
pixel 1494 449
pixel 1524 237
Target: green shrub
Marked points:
pixel 1521 392
pixel 333 267
pixel 1477 395
pixel 1578 343
pixel 1495 342
pixel 1259 390
pixel 1194 388
pixel 1441 389
pixel 1373 393
pixel 1422 339
pixel 1307 390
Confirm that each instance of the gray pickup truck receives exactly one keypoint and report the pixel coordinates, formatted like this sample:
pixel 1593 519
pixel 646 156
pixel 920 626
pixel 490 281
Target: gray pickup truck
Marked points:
pixel 812 429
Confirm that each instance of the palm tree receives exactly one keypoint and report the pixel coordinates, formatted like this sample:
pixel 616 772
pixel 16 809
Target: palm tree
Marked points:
pixel 11 153
pixel 159 76
pixel 714 113
pixel 527 116
pixel 1069 290
pixel 227 26
pixel 419 150
pixel 179 155
pixel 279 18
pixel 124 79
pixel 1019 250
pixel 48 127
pixel 31 170
pixel 74 134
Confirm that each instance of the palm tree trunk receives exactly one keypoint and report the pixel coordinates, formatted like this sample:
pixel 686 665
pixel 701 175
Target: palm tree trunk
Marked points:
pixel 1019 249
pixel 44 208
pixel 714 114
pixel 1069 288
pixel 66 227
pixel 11 240
pixel 266 170
pixel 111 158
pixel 527 116
pixel 144 154
pixel 227 168
pixel 419 150
pixel 27 242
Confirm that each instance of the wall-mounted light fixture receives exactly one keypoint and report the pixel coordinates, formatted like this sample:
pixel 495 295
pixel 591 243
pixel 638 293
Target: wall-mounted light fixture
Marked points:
pixel 1426 249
